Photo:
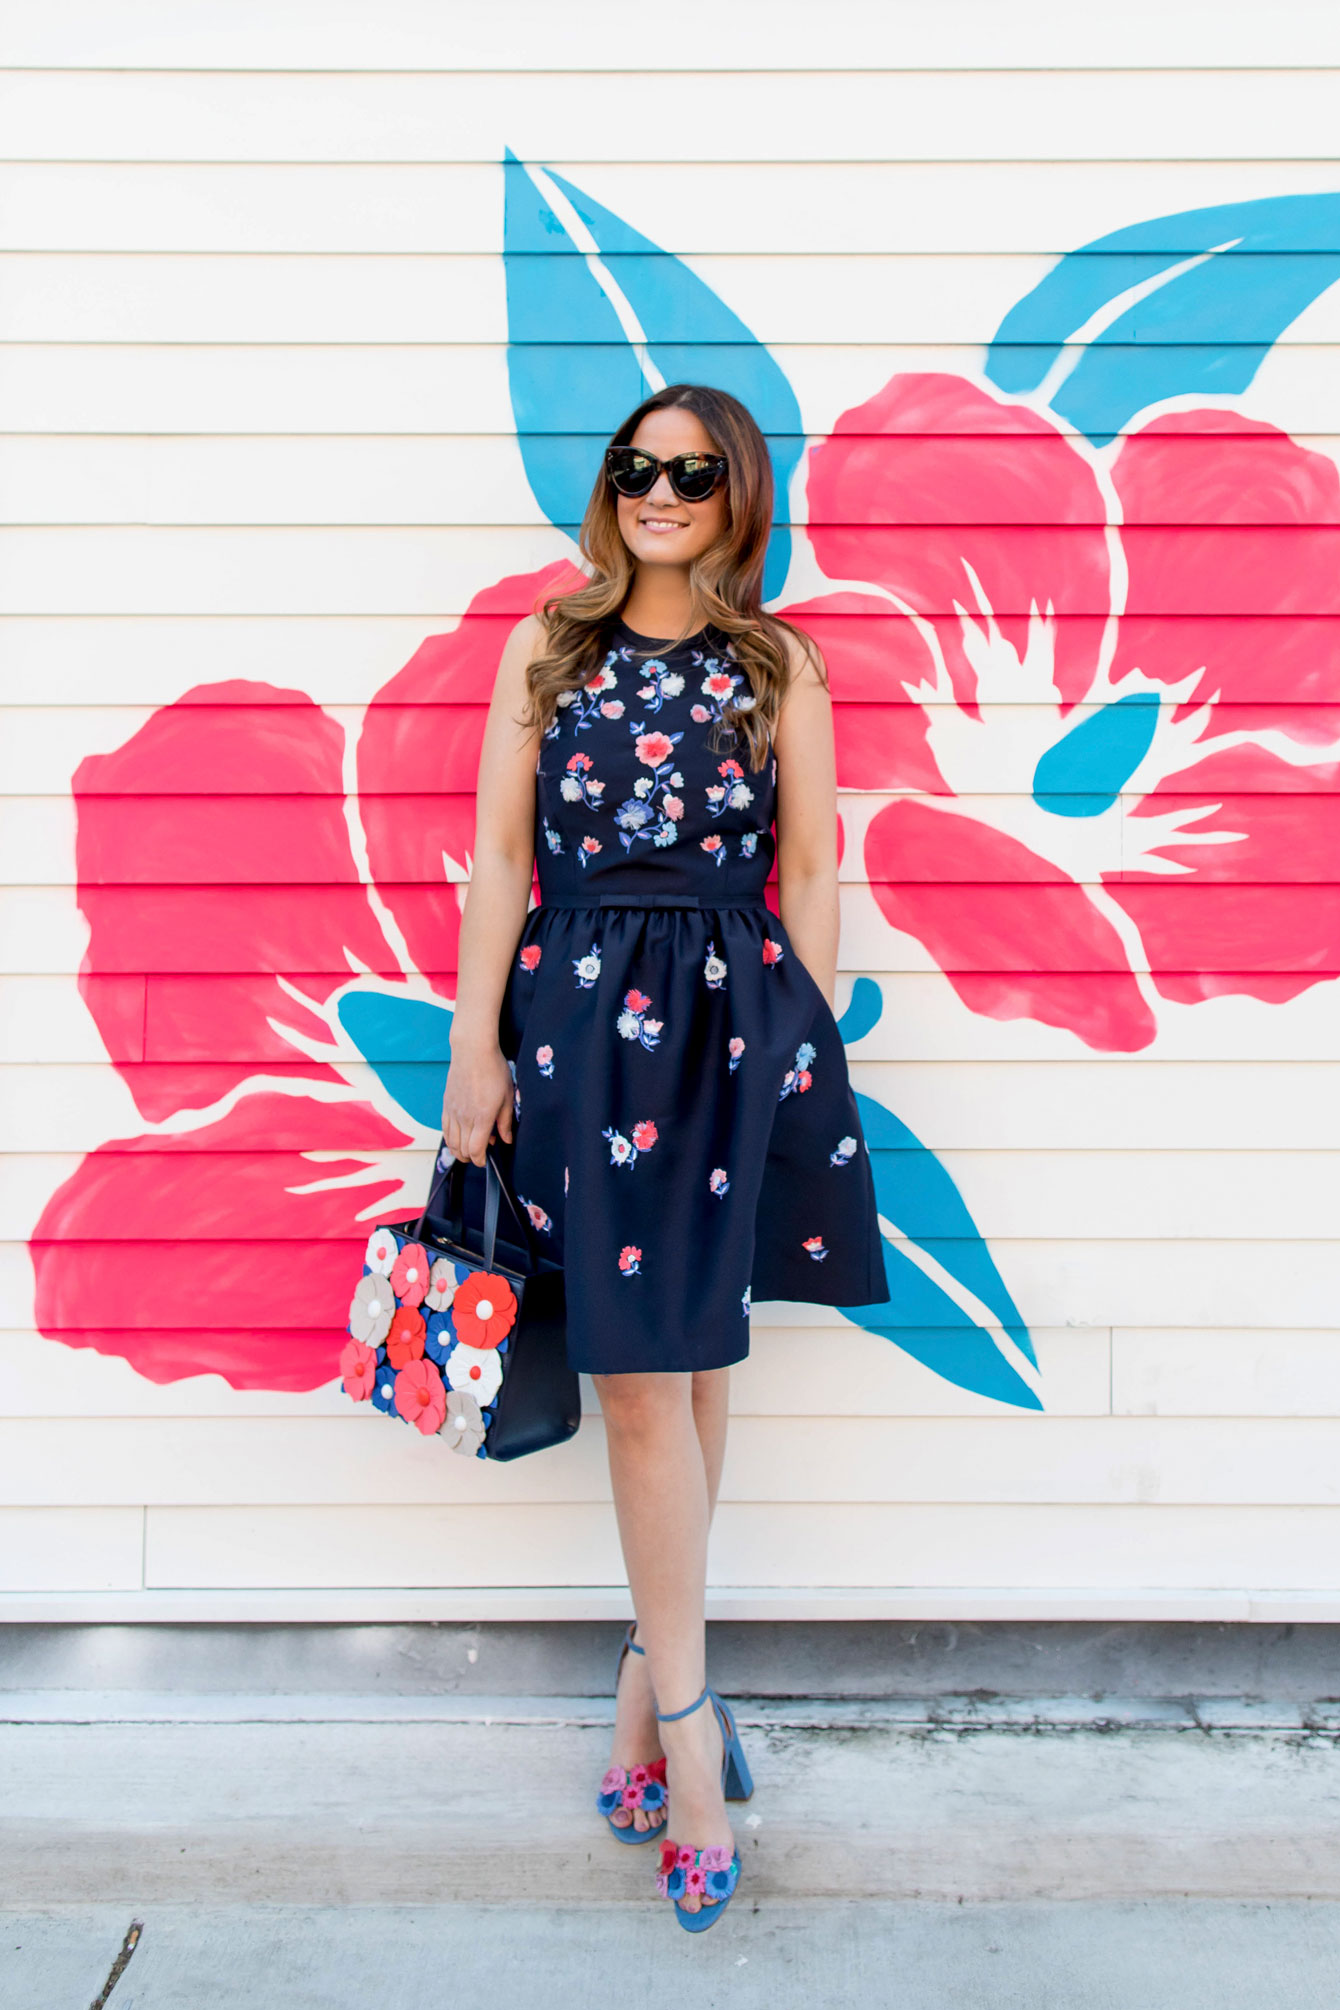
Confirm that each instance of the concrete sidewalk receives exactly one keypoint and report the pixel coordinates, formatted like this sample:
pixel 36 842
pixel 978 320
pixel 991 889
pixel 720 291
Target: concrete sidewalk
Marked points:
pixel 288 1851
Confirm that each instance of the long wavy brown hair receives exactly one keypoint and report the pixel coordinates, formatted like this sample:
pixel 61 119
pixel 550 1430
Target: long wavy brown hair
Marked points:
pixel 726 581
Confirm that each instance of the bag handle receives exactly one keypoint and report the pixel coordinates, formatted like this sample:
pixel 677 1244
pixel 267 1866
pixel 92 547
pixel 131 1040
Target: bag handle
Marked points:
pixel 495 1187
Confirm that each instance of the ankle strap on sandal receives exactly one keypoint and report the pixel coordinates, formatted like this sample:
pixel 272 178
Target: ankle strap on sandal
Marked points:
pixel 630 1643
pixel 673 1716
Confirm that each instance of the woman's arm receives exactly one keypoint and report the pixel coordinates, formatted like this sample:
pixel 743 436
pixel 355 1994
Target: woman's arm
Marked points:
pixel 807 821
pixel 478 1098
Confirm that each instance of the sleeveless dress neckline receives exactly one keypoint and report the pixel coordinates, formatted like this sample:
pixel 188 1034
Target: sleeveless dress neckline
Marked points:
pixel 686 1134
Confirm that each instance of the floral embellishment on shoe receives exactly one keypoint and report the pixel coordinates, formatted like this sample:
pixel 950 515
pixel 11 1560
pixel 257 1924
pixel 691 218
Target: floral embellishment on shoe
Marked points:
pixel 714 968
pixel 544 1061
pixel 772 951
pixel 409 1274
pixel 632 1787
pixel 846 1151
pixel 798 1077
pixel 587 968
pixel 358 1370
pixel 529 959
pixel 372 1310
pixel 630 1259
pixel 813 1247
pixel 708 1874
pixel 420 1397
pixel 463 1425
pixel 484 1309
pixel 633 1023
pixel 735 1049
pixel 718 1182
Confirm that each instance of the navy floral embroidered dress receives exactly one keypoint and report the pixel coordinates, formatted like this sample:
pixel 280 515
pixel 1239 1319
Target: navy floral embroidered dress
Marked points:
pixel 685 1129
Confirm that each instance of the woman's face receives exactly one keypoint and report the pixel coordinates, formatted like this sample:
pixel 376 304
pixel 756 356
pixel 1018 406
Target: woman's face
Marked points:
pixel 658 528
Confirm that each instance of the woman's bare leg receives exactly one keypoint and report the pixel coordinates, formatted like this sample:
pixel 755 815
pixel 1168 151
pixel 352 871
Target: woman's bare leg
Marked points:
pixel 662 1496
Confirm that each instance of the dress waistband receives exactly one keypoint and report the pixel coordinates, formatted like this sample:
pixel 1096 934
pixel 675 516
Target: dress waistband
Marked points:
pixel 692 900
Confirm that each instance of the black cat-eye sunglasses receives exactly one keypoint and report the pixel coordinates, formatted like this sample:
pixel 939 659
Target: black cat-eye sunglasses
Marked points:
pixel 693 477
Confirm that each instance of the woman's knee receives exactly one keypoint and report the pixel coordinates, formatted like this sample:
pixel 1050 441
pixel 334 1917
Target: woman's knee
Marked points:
pixel 642 1405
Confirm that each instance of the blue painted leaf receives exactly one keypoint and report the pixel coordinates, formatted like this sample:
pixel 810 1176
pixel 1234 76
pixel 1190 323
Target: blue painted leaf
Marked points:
pixel 407 1044
pixel 917 1195
pixel 592 332
pixel 1226 283
pixel 1085 772
pixel 863 1011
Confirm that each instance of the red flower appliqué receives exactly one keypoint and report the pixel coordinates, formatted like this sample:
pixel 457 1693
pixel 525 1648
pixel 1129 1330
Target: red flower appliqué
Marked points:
pixel 1020 582
pixel 228 911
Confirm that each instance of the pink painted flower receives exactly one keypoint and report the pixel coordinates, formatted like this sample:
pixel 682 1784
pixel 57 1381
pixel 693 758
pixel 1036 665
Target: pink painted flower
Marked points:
pixel 211 985
pixel 612 1783
pixel 684 1857
pixel 613 708
pixel 717 1180
pixel 530 956
pixel 420 1397
pixel 695 1879
pixel 674 807
pixel 544 1059
pixel 772 951
pixel 630 1259
pixel 1184 597
pixel 653 748
pixel 700 714
pixel 358 1370
pixel 645 1135
pixel 735 1048
pixel 409 1274
pixel 717 1857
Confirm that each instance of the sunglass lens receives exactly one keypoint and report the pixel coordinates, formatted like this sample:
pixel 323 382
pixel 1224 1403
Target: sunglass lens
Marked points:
pixel 694 476
pixel 631 473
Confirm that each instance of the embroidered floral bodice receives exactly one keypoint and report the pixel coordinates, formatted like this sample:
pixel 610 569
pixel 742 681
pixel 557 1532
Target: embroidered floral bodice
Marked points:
pixel 632 797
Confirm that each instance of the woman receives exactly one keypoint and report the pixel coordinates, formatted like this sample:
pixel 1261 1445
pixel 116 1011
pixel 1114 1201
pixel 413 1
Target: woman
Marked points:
pixel 656 1050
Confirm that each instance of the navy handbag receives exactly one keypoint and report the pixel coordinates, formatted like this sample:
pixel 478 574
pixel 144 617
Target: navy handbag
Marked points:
pixel 458 1323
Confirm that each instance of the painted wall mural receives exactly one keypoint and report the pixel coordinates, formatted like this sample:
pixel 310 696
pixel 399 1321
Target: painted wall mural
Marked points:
pixel 1080 616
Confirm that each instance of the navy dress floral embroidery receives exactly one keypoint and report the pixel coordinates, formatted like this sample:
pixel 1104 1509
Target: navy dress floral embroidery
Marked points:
pixel 686 1133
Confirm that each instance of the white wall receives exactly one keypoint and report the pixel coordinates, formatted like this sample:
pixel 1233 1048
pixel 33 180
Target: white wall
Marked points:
pixel 256 423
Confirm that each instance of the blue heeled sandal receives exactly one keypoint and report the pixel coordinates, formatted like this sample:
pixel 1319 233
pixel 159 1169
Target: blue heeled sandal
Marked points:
pixel 631 1786
pixel 712 1873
